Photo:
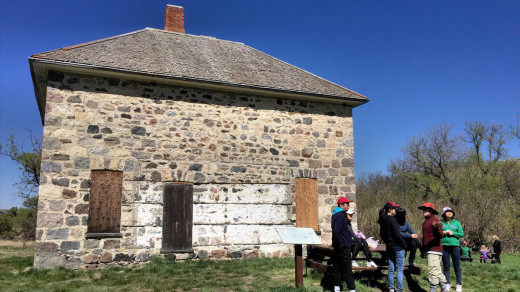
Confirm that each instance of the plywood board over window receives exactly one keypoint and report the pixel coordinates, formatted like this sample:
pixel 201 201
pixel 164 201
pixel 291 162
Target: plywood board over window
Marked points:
pixel 306 196
pixel 177 218
pixel 106 189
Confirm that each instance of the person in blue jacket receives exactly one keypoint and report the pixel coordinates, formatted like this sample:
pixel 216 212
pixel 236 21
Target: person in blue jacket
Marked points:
pixel 409 235
pixel 341 242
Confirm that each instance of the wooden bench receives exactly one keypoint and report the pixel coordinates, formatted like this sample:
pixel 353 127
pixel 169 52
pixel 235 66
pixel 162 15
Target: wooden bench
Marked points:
pixel 488 259
pixel 319 258
pixel 470 259
pixel 466 259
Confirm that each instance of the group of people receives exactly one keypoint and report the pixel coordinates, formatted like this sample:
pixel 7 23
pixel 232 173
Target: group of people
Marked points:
pixel 484 251
pixel 440 245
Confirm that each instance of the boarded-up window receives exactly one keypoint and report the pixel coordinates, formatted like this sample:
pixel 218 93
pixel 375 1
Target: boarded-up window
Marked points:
pixel 105 202
pixel 306 196
pixel 177 218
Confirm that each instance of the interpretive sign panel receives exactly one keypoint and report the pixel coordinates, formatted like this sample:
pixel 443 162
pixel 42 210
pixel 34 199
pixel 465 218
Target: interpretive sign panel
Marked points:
pixel 298 235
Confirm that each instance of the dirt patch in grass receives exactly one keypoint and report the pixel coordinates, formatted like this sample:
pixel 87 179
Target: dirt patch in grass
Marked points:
pixel 10 248
pixel 248 279
pixel 15 243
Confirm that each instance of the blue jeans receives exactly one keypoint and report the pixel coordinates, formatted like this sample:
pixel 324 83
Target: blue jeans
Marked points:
pixel 454 252
pixel 395 260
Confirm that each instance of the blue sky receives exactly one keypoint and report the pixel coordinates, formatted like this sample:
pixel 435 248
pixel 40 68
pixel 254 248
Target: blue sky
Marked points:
pixel 422 63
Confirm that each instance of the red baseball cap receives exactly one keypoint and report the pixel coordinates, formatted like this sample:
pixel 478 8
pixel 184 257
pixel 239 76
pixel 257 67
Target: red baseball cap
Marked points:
pixel 430 206
pixel 343 200
pixel 390 205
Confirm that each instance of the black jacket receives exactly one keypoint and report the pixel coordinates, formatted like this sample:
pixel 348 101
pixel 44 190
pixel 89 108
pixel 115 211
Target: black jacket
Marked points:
pixel 341 237
pixel 390 233
pixel 497 246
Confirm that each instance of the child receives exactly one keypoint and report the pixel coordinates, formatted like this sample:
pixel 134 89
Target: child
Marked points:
pixel 360 234
pixel 483 253
pixel 466 252
pixel 359 243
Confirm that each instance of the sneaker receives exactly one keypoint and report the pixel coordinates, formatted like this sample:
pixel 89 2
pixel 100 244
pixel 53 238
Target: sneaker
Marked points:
pixel 459 288
pixel 371 264
pixel 354 264
pixel 448 287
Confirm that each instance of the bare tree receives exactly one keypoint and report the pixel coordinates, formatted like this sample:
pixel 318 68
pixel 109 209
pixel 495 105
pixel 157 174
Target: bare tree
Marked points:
pixel 515 128
pixel 428 158
pixel 493 137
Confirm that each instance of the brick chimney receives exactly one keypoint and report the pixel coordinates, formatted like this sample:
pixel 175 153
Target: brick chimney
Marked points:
pixel 174 19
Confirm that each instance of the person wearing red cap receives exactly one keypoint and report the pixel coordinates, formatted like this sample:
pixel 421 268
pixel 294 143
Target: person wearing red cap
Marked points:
pixel 342 243
pixel 395 244
pixel 432 234
pixel 465 252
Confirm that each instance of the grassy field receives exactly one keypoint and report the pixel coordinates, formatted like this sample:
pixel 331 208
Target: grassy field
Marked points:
pixel 16 274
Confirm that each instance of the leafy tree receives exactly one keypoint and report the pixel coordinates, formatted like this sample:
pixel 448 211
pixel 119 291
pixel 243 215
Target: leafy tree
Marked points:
pixel 22 222
pixel 28 162
pixel 7 223
pixel 26 223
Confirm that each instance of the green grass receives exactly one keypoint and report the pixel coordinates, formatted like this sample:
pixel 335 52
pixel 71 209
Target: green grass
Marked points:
pixel 16 274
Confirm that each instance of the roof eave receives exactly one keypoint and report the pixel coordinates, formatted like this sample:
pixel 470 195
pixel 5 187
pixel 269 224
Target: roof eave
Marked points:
pixel 39 68
pixel 39 80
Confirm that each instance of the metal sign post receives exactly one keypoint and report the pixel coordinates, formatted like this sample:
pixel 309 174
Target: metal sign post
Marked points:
pixel 298 236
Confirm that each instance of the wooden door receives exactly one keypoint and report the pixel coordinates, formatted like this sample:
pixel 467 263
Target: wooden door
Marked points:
pixel 177 217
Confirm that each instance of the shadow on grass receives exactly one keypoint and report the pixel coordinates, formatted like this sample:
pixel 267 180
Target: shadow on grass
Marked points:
pixel 413 285
pixel 372 279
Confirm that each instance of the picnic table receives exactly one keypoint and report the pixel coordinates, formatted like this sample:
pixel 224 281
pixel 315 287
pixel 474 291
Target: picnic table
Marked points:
pixel 319 258
pixel 470 259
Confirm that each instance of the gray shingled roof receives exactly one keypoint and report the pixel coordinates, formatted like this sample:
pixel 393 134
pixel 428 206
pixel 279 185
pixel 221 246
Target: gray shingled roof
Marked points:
pixel 197 58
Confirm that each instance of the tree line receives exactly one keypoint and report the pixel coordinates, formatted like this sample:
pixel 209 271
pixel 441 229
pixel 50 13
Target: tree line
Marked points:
pixel 473 173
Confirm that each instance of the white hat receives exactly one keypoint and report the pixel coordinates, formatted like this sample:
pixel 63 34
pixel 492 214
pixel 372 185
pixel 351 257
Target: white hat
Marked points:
pixel 447 209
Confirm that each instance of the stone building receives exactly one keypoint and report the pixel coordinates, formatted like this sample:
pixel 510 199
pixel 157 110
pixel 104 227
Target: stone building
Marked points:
pixel 160 142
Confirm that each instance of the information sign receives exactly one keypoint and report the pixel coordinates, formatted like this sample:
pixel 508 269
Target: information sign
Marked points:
pixel 298 235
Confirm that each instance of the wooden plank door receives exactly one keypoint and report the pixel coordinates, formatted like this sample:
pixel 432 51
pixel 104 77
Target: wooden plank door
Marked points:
pixel 177 217
pixel 306 196
pixel 106 190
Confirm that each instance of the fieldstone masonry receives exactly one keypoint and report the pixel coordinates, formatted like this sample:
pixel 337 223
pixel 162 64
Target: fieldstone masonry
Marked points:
pixel 242 153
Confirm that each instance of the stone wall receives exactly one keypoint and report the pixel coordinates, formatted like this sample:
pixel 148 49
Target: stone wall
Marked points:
pixel 242 153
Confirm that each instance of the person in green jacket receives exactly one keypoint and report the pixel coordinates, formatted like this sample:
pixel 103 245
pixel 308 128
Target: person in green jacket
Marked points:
pixel 466 252
pixel 452 231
